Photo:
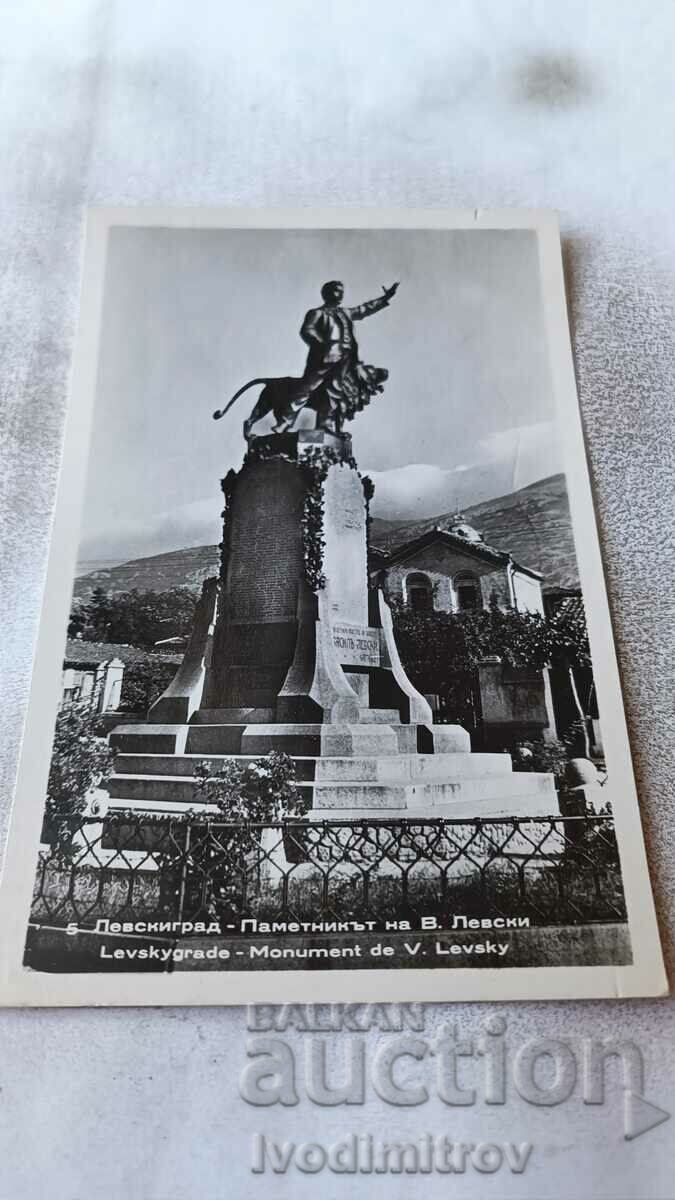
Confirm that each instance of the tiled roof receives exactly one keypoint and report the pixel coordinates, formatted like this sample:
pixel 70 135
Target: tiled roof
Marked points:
pixel 456 542
pixel 571 608
pixel 90 654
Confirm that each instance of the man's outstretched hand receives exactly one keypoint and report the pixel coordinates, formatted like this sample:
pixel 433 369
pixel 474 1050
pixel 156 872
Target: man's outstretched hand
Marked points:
pixel 390 291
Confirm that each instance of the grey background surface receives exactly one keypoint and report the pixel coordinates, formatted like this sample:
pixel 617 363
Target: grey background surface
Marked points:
pixel 458 105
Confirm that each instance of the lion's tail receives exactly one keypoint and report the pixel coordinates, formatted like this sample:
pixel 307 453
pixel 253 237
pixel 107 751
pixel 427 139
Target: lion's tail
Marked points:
pixel 220 412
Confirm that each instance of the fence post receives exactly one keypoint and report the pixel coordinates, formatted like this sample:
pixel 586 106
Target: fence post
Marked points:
pixel 183 874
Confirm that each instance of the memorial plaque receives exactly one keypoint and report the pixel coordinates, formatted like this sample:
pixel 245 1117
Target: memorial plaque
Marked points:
pixel 357 645
pixel 344 553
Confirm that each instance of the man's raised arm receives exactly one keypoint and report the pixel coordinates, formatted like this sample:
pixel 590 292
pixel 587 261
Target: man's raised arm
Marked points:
pixel 372 306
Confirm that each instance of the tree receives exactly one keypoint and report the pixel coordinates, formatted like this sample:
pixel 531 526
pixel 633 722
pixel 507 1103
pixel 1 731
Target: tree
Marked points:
pixel 144 682
pixel 90 620
pixel 134 618
pixel 441 650
pixel 81 760
pixel 570 650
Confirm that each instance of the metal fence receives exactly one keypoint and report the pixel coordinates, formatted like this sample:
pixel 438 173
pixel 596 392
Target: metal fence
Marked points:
pixel 130 867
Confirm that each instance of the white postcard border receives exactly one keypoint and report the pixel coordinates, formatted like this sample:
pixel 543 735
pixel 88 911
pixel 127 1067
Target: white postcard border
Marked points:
pixel 21 986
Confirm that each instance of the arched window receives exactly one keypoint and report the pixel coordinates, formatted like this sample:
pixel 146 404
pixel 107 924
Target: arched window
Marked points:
pixel 467 591
pixel 419 593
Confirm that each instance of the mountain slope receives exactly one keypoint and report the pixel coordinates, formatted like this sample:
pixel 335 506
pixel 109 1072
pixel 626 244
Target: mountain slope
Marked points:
pixel 180 568
pixel 533 523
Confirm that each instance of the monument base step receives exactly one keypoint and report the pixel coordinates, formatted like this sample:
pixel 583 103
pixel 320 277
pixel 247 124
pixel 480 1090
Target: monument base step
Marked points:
pixel 259 739
pixel 371 737
pixel 510 794
pixel 346 772
pixel 424 768
pixel 232 716
pixel 523 795
pixel 379 716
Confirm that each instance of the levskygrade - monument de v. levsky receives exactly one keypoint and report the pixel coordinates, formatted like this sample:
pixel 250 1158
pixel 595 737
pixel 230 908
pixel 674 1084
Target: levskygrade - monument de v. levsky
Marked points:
pixel 291 650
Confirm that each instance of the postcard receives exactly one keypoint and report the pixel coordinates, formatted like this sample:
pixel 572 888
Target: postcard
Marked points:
pixel 326 704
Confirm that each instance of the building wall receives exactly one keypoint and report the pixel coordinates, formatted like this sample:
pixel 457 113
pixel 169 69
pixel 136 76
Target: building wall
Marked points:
pixel 527 593
pixel 441 564
pixel 100 687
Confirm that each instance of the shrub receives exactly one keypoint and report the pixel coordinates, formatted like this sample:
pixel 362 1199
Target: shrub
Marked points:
pixel 262 790
pixel 81 760
pixel 550 757
pixel 144 682
pixel 226 868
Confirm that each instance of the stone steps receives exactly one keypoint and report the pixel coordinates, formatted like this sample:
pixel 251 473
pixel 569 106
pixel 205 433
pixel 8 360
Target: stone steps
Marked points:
pixel 525 794
pixel 266 716
pixel 403 768
pixel 372 737
pixel 232 716
pixel 410 768
pixel 183 765
pixel 147 738
pixel 380 716
pixel 479 796
pixel 257 739
pixel 174 789
pixel 416 796
pixel 351 772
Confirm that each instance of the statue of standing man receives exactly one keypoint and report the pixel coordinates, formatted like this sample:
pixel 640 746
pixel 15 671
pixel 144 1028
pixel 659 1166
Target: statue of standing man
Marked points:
pixel 335 384
pixel 335 381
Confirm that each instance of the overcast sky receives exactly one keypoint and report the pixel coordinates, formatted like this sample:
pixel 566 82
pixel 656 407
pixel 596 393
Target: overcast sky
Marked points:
pixel 191 315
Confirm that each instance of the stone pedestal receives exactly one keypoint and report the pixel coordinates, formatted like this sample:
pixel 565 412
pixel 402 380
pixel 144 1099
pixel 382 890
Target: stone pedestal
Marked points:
pixel 290 652
pixel 515 704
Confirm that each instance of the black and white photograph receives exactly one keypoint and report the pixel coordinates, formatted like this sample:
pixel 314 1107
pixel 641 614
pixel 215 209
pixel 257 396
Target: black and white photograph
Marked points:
pixel 334 696
pixel 337 734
